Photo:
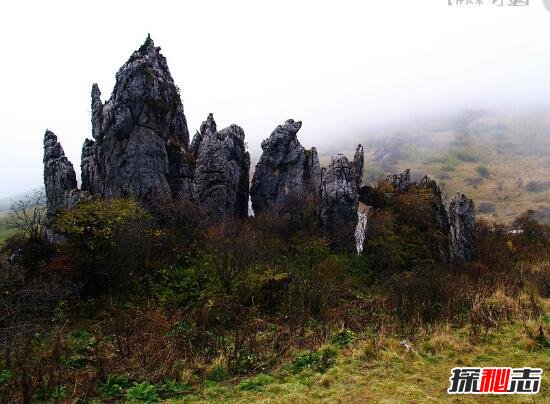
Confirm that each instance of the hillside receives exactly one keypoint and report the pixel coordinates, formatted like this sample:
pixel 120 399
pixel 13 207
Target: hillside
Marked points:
pixel 150 281
pixel 501 160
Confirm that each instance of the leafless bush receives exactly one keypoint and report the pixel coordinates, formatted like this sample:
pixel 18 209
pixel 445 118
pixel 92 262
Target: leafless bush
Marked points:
pixel 29 214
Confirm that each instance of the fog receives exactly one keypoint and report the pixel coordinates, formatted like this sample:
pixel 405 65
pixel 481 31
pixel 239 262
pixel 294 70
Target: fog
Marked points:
pixel 343 68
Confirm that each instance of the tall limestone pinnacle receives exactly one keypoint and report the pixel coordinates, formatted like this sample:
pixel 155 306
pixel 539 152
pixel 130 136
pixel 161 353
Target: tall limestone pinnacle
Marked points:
pixel 285 169
pixel 139 148
pixel 59 177
pixel 340 200
pixel 222 170
pixel 141 137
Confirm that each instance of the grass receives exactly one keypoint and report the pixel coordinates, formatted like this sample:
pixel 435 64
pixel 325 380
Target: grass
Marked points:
pixel 6 230
pixel 505 172
pixel 376 368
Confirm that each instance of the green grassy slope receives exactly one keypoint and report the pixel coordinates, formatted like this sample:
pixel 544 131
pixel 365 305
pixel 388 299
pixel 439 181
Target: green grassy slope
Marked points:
pixel 6 230
pixel 500 160
pixel 377 369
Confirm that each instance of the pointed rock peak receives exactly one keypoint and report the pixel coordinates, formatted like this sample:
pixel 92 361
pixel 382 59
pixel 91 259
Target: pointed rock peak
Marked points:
pixel 283 134
pixel 52 148
pixel 146 52
pixel 233 131
pixel 208 126
pixel 291 126
pixel 87 143
pixel 96 94
pixel 339 158
pixel 400 181
pixel 49 136
pixel 358 164
pixel 148 44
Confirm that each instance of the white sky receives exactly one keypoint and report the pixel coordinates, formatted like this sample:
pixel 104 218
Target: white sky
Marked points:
pixel 339 66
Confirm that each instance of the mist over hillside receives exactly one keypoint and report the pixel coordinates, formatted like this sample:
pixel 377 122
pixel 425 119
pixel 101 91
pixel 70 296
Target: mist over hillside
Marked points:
pixel 514 147
pixel 500 158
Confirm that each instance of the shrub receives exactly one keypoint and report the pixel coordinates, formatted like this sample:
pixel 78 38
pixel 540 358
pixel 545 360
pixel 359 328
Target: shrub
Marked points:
pixel 256 383
pixel 143 392
pixel 316 279
pixel 109 239
pixel 483 171
pixel 96 224
pixel 218 373
pixel 318 361
pixel 537 186
pixel 473 181
pixel 171 387
pixel 465 154
pixel 486 207
pixel 29 215
pixel 114 386
pixel 343 338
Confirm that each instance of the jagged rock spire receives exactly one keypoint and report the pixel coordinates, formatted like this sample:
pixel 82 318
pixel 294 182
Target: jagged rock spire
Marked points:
pixel 222 171
pixel 359 164
pixel 141 138
pixel 462 220
pixel 339 202
pixel 208 126
pixel 285 169
pixel 59 176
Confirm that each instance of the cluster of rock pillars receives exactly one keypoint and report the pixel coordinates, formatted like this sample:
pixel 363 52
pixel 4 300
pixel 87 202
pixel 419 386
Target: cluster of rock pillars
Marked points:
pixel 141 149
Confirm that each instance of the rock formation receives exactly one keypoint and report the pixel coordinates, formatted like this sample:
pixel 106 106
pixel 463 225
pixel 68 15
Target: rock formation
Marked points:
pixel 285 169
pixel 437 201
pixel 141 149
pixel 223 166
pixel 359 164
pixel 141 138
pixel 400 181
pixel 208 126
pixel 454 220
pixel 88 169
pixel 59 177
pixel 339 200
pixel 462 222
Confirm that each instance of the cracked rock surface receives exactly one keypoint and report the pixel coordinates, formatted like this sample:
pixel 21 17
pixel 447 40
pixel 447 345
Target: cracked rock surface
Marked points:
pixel 59 177
pixel 285 169
pixel 339 202
pixel 141 138
pixel 222 170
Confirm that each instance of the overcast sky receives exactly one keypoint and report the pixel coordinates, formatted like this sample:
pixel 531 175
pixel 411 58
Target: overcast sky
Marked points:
pixel 339 66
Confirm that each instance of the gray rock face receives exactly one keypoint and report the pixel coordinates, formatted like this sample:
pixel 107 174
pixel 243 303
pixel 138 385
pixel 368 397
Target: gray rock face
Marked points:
pixel 59 177
pixel 208 126
pixel 88 167
pixel 400 181
pixel 141 137
pixel 339 202
pixel 285 169
pixel 359 164
pixel 440 216
pixel 222 171
pixel 462 222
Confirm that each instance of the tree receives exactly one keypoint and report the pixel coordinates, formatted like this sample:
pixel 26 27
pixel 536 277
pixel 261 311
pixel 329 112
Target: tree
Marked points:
pixel 483 171
pixel 28 214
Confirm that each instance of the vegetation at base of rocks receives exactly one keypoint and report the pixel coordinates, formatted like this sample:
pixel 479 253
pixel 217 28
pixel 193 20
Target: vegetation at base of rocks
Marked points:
pixel 144 307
